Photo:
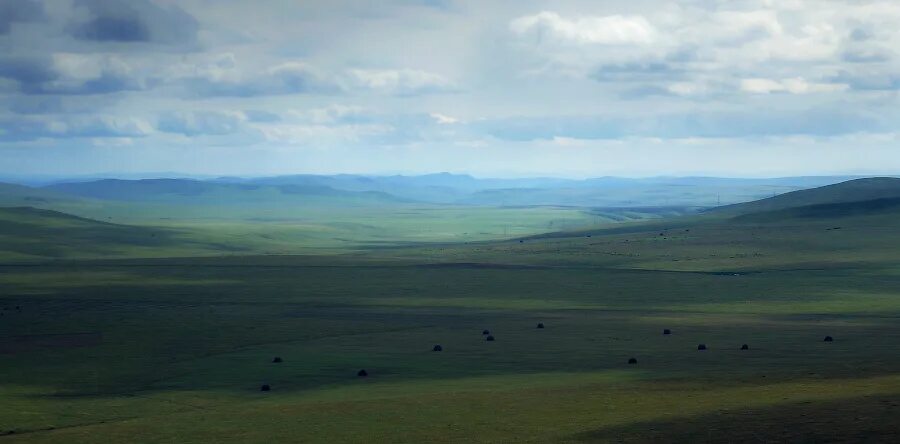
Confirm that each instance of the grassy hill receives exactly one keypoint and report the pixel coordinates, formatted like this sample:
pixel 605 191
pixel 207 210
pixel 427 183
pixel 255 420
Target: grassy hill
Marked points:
pixel 874 207
pixel 303 216
pixel 856 190
pixel 735 238
pixel 31 233
pixel 12 195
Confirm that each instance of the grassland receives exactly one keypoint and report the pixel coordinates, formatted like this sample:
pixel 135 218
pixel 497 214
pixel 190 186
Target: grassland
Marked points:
pixel 175 349
pixel 265 221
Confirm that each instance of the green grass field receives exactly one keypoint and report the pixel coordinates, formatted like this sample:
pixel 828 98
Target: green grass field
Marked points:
pixel 176 349
pixel 192 230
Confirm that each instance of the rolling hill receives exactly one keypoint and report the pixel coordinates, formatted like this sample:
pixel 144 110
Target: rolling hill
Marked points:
pixel 855 221
pixel 12 195
pixel 857 190
pixel 32 233
pixel 874 207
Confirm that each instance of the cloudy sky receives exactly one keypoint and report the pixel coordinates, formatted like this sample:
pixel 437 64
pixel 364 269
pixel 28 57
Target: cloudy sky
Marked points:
pixel 492 88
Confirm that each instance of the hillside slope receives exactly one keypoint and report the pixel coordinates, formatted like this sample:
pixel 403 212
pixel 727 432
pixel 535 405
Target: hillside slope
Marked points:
pixel 856 190
pixel 31 233
pixel 874 207
pixel 12 195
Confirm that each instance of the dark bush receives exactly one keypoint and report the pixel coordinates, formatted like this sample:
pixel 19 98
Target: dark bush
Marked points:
pixel 632 361
pixel 264 388
pixel 437 348
pixel 540 325
pixel 829 339
pixel 667 331
pixel 701 347
pixel 745 347
pixel 485 332
pixel 490 338
pixel 362 373
pixel 276 359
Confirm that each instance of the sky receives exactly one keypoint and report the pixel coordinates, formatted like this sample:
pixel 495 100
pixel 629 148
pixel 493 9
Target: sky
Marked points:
pixel 743 88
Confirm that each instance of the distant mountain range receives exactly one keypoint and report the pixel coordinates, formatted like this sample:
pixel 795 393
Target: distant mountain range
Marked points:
pixel 189 190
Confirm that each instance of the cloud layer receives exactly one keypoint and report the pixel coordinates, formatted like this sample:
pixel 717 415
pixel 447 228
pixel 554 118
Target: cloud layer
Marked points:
pixel 467 86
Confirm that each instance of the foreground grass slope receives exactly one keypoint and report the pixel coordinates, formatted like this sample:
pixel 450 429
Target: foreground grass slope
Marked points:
pixel 163 350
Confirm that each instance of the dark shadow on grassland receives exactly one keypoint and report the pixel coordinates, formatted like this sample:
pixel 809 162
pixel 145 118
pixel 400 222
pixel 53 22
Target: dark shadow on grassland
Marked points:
pixel 328 323
pixel 857 420
pixel 325 346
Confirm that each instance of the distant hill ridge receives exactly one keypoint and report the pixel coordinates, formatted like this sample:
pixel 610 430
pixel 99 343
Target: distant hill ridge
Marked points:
pixel 445 188
pixel 188 189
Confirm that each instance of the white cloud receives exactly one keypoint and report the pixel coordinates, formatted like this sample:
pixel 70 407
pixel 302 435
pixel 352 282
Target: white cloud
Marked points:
pixel 332 114
pixel 704 50
pixel 443 119
pixel 321 135
pixel 687 88
pixel 194 123
pixel 579 73
pixel 793 86
pixel 605 30
pixel 398 81
pixel 735 27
